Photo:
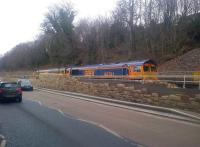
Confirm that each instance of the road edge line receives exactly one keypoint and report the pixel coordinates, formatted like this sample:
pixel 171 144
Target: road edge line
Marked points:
pixel 102 127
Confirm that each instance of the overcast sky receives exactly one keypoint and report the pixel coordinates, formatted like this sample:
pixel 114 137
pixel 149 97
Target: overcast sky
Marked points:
pixel 20 19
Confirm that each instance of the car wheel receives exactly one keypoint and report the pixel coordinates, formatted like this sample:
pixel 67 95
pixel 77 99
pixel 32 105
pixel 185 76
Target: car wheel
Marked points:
pixel 19 99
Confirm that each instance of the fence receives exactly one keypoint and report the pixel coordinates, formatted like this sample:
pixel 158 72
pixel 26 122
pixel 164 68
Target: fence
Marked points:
pixel 184 77
pixel 184 80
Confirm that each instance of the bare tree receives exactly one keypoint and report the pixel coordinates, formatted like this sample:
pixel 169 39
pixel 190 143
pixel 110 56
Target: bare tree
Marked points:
pixel 128 11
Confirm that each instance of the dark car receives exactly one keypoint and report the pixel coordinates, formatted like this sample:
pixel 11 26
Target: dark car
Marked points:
pixel 10 91
pixel 25 84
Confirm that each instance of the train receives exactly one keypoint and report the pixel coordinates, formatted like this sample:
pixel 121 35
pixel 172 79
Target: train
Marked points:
pixel 133 70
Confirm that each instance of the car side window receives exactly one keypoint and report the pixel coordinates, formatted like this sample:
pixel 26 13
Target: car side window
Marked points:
pixel 19 84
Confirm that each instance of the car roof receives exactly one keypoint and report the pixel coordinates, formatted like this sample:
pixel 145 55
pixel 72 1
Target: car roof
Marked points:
pixel 23 80
pixel 8 82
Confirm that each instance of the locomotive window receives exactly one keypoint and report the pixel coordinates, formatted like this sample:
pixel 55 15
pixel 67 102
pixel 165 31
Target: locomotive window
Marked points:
pixel 137 69
pixel 75 72
pixel 146 68
pixel 153 68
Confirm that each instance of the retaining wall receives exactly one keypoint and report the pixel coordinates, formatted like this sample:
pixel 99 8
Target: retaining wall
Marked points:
pixel 121 92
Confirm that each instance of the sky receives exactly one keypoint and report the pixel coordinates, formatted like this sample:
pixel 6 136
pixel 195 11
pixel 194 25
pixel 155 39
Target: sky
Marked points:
pixel 20 19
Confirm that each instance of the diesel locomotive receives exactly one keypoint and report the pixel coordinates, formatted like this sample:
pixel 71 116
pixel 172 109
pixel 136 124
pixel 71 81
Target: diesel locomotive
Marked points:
pixel 140 70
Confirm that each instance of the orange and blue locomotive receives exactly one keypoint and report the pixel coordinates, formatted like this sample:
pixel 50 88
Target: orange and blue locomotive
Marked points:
pixel 145 69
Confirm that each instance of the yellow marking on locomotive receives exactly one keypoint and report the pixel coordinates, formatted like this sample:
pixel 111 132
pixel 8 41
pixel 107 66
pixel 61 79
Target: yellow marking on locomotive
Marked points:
pixel 89 73
pixel 196 76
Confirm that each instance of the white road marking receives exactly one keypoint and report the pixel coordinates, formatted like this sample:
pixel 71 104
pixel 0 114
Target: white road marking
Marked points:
pixel 101 126
pixel 40 103
pixel 110 131
pixel 88 121
pixel 3 142
pixel 36 101
pixel 60 111
pixel 56 109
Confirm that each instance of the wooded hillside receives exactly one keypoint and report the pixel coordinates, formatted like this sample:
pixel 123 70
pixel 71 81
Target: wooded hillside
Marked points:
pixel 136 29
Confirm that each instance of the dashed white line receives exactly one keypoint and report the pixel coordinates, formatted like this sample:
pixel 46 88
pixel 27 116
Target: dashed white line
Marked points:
pixel 36 101
pixel 60 111
pixel 56 109
pixel 87 121
pixel 102 126
pixel 110 131
pixel 40 103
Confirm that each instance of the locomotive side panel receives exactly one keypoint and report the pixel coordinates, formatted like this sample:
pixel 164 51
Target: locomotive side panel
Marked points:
pixel 112 72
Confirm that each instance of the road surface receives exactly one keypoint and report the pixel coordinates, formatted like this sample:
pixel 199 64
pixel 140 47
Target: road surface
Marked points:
pixel 45 119
pixel 31 125
pixel 146 129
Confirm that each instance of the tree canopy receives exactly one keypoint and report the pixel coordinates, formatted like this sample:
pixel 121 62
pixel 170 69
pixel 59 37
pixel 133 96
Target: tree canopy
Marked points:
pixel 136 29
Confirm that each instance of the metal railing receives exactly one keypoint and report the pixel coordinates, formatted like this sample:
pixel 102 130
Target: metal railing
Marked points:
pixel 176 79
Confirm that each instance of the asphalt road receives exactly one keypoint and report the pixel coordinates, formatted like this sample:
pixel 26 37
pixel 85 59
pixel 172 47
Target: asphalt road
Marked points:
pixel 148 130
pixel 30 124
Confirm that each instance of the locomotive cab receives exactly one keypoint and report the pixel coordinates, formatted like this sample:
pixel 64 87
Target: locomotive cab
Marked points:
pixel 142 70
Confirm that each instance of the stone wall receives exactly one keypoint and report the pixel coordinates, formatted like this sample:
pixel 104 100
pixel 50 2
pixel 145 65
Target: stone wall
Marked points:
pixel 121 92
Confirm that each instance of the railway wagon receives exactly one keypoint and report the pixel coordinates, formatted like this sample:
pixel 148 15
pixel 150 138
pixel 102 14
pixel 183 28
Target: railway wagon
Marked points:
pixel 64 72
pixel 145 69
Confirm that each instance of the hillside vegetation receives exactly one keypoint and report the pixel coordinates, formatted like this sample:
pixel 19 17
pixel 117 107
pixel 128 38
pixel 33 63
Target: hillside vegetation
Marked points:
pixel 136 29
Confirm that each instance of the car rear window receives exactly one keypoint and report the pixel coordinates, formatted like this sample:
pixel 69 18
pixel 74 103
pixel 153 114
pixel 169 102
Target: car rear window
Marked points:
pixel 25 82
pixel 9 85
